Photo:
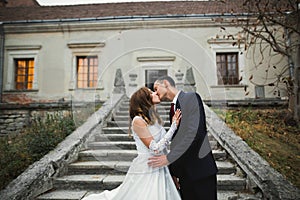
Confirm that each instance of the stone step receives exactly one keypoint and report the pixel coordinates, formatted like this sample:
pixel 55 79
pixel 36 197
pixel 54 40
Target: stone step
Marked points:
pixel 162 103
pixel 230 182
pixel 112 145
pixel 219 155
pixel 126 102
pixel 113 136
pixel 121 167
pixel 238 195
pixel 107 154
pixel 126 112
pixel 122 113
pixel 126 123
pixel 159 107
pixel 103 167
pixel 77 195
pixel 125 145
pixel 63 195
pixel 115 130
pixel 127 154
pixel 119 130
pixel 107 181
pixel 126 118
pixel 88 182
pixel 126 137
pixel 123 132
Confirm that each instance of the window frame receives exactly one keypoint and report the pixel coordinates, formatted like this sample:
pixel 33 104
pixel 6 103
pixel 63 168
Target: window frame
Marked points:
pixel 21 52
pixel 25 83
pixel 227 79
pixel 89 57
pixel 84 49
pixel 225 46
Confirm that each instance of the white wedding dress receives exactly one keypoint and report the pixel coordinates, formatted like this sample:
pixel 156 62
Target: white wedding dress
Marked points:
pixel 141 181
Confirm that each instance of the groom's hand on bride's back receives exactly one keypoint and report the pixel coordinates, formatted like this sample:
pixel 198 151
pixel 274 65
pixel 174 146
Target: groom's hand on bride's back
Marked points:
pixel 176 182
pixel 158 161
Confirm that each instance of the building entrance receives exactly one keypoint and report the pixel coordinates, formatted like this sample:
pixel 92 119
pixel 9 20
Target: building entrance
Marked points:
pixel 152 74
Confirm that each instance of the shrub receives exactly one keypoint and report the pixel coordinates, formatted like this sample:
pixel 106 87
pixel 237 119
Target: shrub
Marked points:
pixel 40 137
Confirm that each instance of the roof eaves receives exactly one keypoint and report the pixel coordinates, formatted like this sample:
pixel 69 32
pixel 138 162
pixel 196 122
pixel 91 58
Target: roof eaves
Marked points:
pixel 133 17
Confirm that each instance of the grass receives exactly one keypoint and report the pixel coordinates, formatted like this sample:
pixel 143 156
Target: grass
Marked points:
pixel 266 132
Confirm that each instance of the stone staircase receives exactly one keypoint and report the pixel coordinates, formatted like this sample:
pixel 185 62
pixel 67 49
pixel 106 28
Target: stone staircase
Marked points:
pixel 104 161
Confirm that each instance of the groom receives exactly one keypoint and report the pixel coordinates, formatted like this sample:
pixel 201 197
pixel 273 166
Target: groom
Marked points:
pixel 190 158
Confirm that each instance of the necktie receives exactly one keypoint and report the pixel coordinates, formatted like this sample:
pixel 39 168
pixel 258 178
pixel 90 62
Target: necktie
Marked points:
pixel 172 111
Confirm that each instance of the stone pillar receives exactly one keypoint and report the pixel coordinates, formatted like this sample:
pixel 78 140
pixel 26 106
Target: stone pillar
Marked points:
pixel 119 85
pixel 189 82
pixel 179 80
pixel 132 85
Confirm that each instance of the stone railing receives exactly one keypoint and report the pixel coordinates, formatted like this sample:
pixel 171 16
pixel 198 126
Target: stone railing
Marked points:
pixel 271 183
pixel 37 178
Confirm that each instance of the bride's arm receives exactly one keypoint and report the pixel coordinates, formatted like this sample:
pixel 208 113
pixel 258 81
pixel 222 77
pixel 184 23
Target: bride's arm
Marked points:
pixel 157 147
pixel 141 129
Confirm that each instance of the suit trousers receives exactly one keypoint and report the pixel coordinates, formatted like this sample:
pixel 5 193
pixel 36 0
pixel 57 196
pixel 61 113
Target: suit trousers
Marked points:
pixel 202 189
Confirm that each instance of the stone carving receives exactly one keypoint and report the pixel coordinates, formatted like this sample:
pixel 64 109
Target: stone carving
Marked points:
pixel 189 82
pixel 179 82
pixel 119 84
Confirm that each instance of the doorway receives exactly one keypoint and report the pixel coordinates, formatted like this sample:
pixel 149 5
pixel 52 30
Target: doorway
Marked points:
pixel 152 75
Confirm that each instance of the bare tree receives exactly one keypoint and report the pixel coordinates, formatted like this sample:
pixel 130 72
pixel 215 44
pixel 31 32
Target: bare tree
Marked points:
pixel 272 27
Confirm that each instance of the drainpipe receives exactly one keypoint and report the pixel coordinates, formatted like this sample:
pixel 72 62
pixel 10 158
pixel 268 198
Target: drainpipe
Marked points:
pixel 2 38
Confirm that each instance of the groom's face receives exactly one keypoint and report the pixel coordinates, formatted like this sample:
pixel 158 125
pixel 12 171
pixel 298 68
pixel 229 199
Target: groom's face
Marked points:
pixel 161 91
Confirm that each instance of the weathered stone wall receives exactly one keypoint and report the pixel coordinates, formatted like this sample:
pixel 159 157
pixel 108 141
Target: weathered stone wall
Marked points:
pixel 12 121
pixel 14 117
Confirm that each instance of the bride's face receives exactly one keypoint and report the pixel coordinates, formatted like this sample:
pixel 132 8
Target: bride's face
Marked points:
pixel 155 98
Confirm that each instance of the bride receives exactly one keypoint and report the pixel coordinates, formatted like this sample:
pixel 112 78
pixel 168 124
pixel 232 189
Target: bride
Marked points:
pixel 142 181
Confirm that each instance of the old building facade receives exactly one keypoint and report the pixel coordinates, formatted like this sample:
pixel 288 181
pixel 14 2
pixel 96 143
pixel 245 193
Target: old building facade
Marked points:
pixel 90 52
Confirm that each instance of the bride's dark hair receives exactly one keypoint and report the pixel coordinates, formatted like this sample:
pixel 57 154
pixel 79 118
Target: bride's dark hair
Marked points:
pixel 141 105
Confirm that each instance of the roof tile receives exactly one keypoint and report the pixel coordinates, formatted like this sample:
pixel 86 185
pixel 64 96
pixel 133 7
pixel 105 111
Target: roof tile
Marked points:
pixel 106 10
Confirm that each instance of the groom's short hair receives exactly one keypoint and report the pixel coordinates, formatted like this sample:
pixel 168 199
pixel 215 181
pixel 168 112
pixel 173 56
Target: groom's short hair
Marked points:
pixel 167 78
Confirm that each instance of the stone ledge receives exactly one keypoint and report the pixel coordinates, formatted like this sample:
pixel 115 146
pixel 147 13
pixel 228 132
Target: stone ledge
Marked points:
pixel 268 102
pixel 272 184
pixel 44 105
pixel 37 178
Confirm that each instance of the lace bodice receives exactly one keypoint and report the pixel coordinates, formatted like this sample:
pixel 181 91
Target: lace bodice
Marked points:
pixel 156 130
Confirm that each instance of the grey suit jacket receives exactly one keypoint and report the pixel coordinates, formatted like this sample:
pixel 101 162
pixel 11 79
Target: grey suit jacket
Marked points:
pixel 190 153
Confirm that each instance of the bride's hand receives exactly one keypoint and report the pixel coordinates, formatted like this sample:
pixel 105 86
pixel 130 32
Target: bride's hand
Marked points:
pixel 177 117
